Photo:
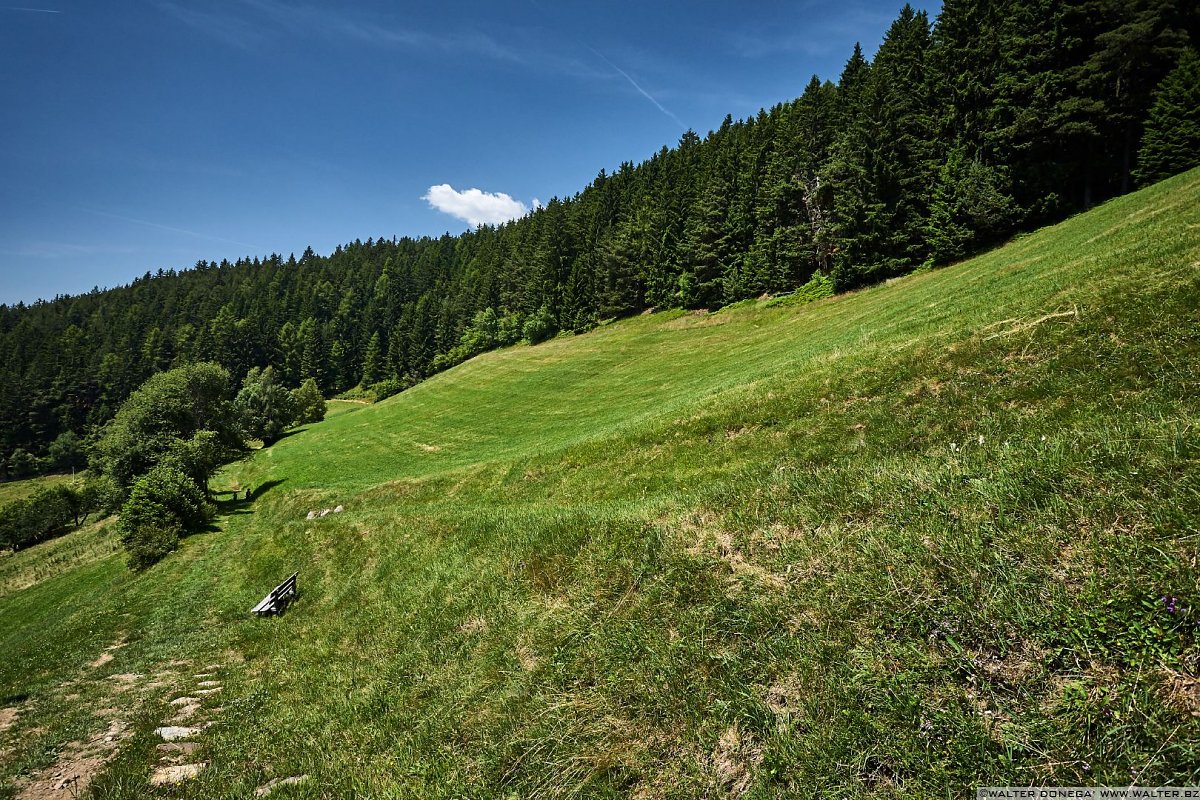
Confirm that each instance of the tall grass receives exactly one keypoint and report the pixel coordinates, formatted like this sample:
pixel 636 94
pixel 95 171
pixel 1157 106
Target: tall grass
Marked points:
pixel 899 543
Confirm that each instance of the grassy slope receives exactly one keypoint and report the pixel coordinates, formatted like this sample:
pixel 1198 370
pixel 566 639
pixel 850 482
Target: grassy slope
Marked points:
pixel 909 540
pixel 19 490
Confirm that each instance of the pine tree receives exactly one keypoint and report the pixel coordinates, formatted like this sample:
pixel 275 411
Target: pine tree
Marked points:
pixel 372 369
pixel 1171 143
pixel 264 406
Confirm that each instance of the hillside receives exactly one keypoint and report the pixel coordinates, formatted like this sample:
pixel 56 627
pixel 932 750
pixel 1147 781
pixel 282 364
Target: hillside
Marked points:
pixel 901 542
pixel 954 135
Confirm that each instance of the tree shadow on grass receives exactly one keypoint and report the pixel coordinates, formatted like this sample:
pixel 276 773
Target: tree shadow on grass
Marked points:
pixel 239 501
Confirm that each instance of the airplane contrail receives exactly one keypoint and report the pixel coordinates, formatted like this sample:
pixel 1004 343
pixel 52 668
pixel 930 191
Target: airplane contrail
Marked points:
pixel 184 231
pixel 643 92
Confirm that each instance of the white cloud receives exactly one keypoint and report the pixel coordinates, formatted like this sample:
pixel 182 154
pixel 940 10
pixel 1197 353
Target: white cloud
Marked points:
pixel 475 206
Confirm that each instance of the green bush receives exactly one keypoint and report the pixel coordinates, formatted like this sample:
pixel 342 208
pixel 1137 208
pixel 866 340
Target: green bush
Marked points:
pixel 48 513
pixel 22 464
pixel 13 524
pixel 308 404
pixel 386 388
pixel 163 505
pixel 147 544
pixel 508 330
pixel 541 326
pixel 66 452
pixel 100 494
pixel 819 287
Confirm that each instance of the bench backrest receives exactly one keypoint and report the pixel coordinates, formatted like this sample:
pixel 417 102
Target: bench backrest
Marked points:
pixel 287 587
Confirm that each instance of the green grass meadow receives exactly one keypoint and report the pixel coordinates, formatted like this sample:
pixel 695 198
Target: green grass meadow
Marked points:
pixel 898 543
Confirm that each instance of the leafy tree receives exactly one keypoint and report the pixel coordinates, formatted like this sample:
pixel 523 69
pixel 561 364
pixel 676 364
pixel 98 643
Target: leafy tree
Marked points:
pixel 1172 140
pixel 540 326
pixel 307 403
pixel 170 406
pixel 100 494
pixel 263 405
pixel 47 513
pixel 66 451
pixel 198 457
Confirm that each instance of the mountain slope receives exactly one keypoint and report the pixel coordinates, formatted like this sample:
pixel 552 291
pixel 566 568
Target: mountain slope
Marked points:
pixel 906 541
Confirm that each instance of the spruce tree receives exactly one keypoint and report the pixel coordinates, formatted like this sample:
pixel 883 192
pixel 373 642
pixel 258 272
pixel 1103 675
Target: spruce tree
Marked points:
pixel 372 370
pixel 1171 143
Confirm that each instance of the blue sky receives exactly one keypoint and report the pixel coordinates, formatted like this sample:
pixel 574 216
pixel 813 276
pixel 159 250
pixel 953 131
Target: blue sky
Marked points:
pixel 147 134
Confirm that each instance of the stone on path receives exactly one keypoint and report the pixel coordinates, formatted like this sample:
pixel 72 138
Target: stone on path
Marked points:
pixel 179 748
pixel 165 776
pixel 173 733
pixel 210 684
pixel 271 786
pixel 207 692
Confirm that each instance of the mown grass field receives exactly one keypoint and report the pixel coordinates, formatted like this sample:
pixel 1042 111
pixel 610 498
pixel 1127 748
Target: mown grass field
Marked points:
pixel 19 490
pixel 900 543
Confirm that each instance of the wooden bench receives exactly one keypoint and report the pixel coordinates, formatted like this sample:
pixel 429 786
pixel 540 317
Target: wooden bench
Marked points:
pixel 278 598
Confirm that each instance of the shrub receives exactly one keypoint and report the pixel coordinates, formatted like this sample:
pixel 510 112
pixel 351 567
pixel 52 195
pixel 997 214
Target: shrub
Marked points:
pixel 13 524
pixel 100 494
pixel 386 388
pixel 147 544
pixel 819 287
pixel 308 403
pixel 163 505
pixel 66 451
pixel 22 464
pixel 541 326
pixel 508 330
pixel 48 513
pixel 482 334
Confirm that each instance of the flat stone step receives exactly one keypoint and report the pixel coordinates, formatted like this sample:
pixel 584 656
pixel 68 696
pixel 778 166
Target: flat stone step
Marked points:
pixel 173 733
pixel 178 773
pixel 179 748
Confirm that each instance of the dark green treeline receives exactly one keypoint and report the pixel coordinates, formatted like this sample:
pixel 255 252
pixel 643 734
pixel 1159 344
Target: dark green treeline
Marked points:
pixel 1000 117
